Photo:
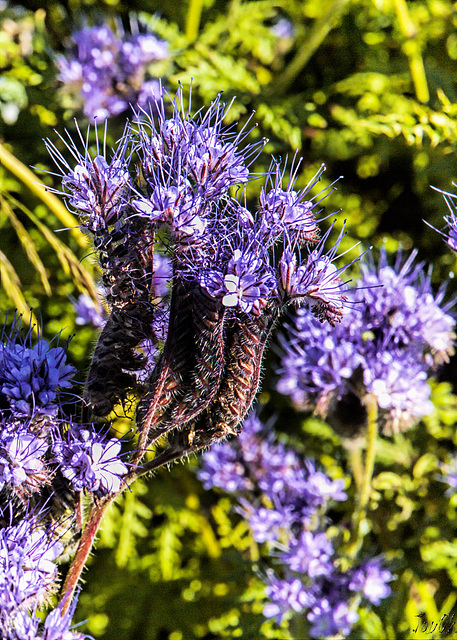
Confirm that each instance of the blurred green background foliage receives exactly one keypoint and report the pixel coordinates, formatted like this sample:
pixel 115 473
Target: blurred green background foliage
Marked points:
pixel 368 87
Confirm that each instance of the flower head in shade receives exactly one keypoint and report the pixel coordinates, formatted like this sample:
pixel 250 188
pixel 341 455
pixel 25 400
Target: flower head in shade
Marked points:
pixel 89 461
pixel 30 376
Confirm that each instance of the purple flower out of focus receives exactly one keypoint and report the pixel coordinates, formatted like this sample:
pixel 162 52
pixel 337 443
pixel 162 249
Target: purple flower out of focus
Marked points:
pixel 388 343
pixel 284 501
pixel 372 580
pixel 108 71
pixel 88 313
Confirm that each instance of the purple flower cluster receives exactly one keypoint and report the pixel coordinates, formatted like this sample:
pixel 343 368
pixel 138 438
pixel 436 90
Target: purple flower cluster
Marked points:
pixel 232 271
pixel 28 576
pixel 30 376
pixel 108 71
pixel 388 343
pixel 32 447
pixel 284 500
pixel 41 451
pixel 189 166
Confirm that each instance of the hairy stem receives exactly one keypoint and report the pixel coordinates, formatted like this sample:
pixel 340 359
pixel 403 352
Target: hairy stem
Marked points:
pixel 82 553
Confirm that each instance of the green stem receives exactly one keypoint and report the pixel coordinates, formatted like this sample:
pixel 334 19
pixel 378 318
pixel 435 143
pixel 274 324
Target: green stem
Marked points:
pixel 312 42
pixel 412 49
pixel 354 447
pixel 193 19
pixel 365 487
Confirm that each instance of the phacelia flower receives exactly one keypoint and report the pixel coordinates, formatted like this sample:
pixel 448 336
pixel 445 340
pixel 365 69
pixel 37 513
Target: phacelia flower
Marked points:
pixel 22 459
pixel 88 313
pixel 284 500
pixel 30 376
pixel 90 462
pixel 396 331
pixel 108 72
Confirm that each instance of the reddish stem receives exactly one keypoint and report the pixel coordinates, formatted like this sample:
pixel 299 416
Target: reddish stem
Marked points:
pixel 84 547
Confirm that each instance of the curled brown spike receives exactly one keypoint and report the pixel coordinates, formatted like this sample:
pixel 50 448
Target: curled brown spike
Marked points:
pixel 243 368
pixel 201 381
pixel 126 258
pixel 246 343
pixel 175 360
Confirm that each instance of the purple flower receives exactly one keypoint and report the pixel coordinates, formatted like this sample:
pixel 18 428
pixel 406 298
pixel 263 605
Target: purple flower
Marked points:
pixel 22 459
pixel 246 283
pixel 264 523
pixel 108 71
pixel 57 625
pixel 288 211
pixel 309 554
pixel 372 580
pixel 396 331
pixel 401 388
pixel 223 469
pixel 162 275
pixel 285 596
pixel 96 188
pixel 31 376
pixel 283 28
pixel 90 462
pixel 329 619
pixel 27 566
pixel 320 488
pixel 88 313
